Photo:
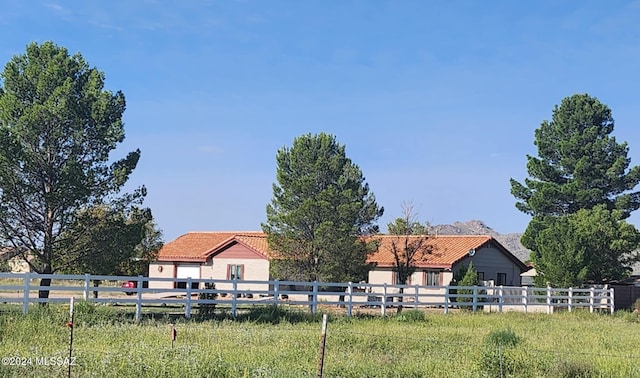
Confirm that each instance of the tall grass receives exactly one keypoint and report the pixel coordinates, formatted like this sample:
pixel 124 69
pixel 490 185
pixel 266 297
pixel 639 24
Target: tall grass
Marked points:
pixel 273 342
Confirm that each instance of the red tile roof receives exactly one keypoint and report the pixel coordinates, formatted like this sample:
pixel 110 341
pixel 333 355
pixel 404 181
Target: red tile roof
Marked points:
pixel 198 246
pixel 446 250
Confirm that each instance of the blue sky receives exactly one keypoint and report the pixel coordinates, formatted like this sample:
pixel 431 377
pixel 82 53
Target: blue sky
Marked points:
pixel 436 101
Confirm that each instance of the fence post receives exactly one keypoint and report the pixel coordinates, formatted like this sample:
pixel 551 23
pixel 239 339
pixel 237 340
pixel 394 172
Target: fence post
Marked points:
pixel 416 297
pixel 234 299
pixel 187 307
pixel 25 293
pixel 500 298
pixel 139 301
pixel 314 303
pixel 446 299
pixel 383 308
pixel 350 304
pixel 475 298
pixel 570 299
pixel 323 341
pixel 276 291
pixel 591 298
pixel 85 295
pixel 611 301
pixel 549 299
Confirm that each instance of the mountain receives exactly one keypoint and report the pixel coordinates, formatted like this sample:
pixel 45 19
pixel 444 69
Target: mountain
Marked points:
pixel 477 227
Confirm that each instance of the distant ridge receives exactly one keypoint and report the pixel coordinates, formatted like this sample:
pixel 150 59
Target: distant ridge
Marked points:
pixel 478 227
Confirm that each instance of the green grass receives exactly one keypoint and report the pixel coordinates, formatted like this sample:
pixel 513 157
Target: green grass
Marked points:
pixel 276 342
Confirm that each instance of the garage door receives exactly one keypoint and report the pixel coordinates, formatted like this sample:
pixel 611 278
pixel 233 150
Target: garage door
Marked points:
pixel 185 271
pixel 188 270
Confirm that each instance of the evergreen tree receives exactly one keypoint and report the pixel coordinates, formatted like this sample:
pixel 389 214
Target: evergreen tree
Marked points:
pixel 57 129
pixel 580 166
pixel 470 278
pixel 321 207
pixel 590 246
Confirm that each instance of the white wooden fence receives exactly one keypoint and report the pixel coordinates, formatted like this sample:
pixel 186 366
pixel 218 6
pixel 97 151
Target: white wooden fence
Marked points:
pixel 237 294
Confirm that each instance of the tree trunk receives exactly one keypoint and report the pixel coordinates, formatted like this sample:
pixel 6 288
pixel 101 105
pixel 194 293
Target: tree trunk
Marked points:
pixel 96 283
pixel 400 298
pixel 44 293
pixel 45 282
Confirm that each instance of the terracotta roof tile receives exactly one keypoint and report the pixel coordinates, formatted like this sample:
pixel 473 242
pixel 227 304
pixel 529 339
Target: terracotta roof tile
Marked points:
pixel 446 250
pixel 197 246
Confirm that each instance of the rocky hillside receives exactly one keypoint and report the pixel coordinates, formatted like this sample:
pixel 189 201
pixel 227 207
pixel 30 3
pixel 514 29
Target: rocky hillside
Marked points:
pixel 477 227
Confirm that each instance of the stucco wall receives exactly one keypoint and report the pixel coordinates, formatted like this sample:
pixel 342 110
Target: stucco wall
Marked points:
pixel 18 265
pixel 491 261
pixel 254 270
pixel 255 267
pixel 385 275
pixel 161 270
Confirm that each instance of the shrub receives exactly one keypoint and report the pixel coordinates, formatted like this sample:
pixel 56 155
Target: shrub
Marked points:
pixel 273 314
pixel 411 316
pixel 470 279
pixel 207 310
pixel 504 338
pixel 573 369
pixel 636 306
pixel 498 354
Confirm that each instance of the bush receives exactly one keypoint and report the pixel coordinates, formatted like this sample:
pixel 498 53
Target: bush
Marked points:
pixel 470 279
pixel 636 306
pixel 411 316
pixel 273 314
pixel 207 310
pixel 498 354
pixel 504 338
pixel 572 369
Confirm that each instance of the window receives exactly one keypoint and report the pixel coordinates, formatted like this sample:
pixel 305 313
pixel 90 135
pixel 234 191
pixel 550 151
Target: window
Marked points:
pixel 501 279
pixel 235 272
pixel 396 279
pixel 480 276
pixel 431 278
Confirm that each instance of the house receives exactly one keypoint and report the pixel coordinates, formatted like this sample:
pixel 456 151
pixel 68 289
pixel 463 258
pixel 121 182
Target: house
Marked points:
pixel 216 255
pixel 15 260
pixel 245 256
pixel 449 253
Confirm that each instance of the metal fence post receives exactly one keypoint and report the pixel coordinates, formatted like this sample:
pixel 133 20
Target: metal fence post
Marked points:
pixel 276 291
pixel 591 298
pixel 416 299
pixel 549 310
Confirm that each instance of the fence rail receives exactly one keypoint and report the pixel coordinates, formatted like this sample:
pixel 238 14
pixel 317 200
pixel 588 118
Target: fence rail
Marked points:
pixel 238 294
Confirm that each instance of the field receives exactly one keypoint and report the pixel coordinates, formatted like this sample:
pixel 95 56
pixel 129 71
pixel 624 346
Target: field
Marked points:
pixel 275 342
